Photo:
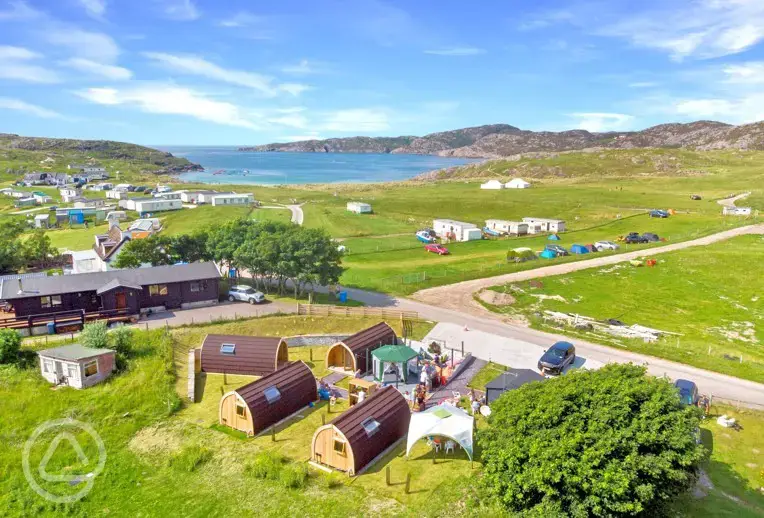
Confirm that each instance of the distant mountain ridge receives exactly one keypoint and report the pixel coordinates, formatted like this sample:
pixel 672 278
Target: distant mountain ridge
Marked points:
pixel 502 140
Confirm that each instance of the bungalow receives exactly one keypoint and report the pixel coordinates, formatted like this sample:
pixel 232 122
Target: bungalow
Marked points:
pixel 114 194
pixel 30 179
pixel 358 207
pixel 456 230
pixel 233 199
pixel 76 366
pixel 492 185
pixel 538 225
pixel 517 183
pixel 69 193
pixel 58 179
pixel 134 291
pixel 516 228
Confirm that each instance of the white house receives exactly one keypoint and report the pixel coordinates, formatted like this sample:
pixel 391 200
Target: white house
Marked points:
pixel 89 203
pixel 147 205
pixel 172 195
pixel 517 183
pixel 537 225
pixel 58 179
pixel 114 194
pixel 516 228
pixel 736 211
pixel 359 207
pixel 69 193
pixel 456 230
pixel 76 366
pixel 492 185
pixel 233 199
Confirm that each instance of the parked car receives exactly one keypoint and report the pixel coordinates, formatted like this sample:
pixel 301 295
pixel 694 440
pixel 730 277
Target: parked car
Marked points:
pixel 436 249
pixel 557 249
pixel 140 188
pixel 601 246
pixel 651 238
pixel 634 238
pixel 659 213
pixel 245 293
pixel 695 197
pixel 557 357
pixel 688 391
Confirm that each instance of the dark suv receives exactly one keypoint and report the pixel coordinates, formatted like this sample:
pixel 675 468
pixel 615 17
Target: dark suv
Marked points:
pixel 557 249
pixel 634 238
pixel 688 391
pixel 557 357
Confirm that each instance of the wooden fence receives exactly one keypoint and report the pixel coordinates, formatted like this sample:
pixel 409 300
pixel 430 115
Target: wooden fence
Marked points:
pixel 327 310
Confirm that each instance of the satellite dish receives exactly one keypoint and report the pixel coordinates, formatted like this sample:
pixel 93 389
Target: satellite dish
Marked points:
pixel 485 410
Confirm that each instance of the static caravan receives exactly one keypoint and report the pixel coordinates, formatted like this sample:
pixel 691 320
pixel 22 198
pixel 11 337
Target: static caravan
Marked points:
pixel 87 203
pixel 357 438
pixel 148 205
pixel 233 199
pixel 358 207
pixel 456 230
pixel 248 355
pixel 545 225
pixel 76 366
pixel 492 185
pixel 517 183
pixel 69 194
pixel 515 228
pixel 261 404
pixel 207 196
pixel 354 353
pixel 116 195
pixel 172 195
pixel 736 211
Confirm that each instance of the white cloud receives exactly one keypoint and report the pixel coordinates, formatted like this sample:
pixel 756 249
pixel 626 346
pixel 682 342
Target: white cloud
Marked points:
pixel 19 10
pixel 456 51
pixel 356 120
pixel 299 138
pixel 294 120
pixel 240 19
pixel 303 68
pixel 745 73
pixel 95 46
pixel 598 122
pixel 94 8
pixel 643 84
pixel 94 68
pixel 701 108
pixel 198 66
pixel 7 103
pixel 180 10
pixel 172 100
pixel 15 65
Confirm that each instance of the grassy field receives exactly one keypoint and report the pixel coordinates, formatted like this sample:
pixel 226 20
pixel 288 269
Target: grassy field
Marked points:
pixel 712 296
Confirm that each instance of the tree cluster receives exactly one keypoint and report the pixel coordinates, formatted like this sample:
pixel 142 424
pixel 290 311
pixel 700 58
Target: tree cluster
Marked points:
pixel 16 253
pixel 611 442
pixel 275 254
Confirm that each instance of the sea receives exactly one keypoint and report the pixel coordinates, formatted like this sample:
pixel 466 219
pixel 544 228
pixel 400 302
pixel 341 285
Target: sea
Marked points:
pixel 226 165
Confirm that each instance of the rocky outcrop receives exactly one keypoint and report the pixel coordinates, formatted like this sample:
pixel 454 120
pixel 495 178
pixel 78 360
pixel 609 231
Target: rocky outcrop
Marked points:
pixel 338 145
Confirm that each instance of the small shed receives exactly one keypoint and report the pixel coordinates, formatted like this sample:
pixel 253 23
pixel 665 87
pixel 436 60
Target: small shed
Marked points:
pixel 393 363
pixel 579 249
pixel 249 355
pixel 492 185
pixel 354 353
pixel 358 207
pixel 517 183
pixel 76 366
pixel 356 439
pixel 509 380
pixel 269 400
pixel 42 221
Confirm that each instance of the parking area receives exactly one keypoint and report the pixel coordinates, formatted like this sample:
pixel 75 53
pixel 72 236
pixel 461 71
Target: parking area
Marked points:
pixel 223 310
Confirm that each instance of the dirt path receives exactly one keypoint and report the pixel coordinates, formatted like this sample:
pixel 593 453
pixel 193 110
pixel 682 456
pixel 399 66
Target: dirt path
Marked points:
pixel 459 296
pixel 730 202
pixel 297 214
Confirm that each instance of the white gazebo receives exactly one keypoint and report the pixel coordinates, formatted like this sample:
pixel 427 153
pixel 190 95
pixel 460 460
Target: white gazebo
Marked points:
pixel 517 183
pixel 444 421
pixel 492 184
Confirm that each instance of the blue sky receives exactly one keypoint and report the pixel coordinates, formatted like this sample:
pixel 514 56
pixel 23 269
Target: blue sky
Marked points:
pixel 246 72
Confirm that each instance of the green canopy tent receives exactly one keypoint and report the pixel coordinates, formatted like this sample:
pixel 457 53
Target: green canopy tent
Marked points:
pixel 393 358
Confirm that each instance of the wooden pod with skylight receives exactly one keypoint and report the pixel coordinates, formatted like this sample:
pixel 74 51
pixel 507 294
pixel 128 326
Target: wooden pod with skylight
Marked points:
pixel 237 354
pixel 358 437
pixel 261 404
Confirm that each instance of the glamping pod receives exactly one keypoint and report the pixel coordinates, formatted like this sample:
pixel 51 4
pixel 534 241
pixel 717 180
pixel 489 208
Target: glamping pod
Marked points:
pixel 354 440
pixel 263 403
pixel 250 355
pixel 354 353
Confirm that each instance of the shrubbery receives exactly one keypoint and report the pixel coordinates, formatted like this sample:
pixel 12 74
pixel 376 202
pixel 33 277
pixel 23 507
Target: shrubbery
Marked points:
pixel 191 458
pixel 94 335
pixel 10 345
pixel 269 465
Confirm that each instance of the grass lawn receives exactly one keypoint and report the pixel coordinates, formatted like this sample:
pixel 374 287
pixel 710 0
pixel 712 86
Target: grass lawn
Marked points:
pixel 185 221
pixel 489 371
pixel 280 215
pixel 711 296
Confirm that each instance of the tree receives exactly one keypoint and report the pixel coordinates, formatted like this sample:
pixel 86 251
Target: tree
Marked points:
pixel 153 250
pixel 190 248
pixel 10 244
pixel 38 250
pixel 10 345
pixel 611 442
pixel 94 335
pixel 225 239
pixel 122 340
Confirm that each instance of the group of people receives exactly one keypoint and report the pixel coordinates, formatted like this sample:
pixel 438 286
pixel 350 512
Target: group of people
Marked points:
pixel 417 397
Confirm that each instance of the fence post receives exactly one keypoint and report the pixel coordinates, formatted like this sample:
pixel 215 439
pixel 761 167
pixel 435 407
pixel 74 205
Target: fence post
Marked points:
pixel 462 348
pixel 408 483
pixel 311 353
pixel 273 433
pixel 387 475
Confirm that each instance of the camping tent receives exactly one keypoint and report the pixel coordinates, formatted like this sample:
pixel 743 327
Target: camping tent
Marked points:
pixel 444 421
pixel 519 255
pixel 397 358
pixel 553 237
pixel 517 183
pixel 548 254
pixel 492 184
pixel 579 249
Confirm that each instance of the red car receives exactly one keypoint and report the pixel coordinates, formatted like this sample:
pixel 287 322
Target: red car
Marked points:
pixel 436 249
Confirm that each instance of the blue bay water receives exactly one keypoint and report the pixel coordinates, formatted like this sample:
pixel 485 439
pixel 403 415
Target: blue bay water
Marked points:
pixel 242 167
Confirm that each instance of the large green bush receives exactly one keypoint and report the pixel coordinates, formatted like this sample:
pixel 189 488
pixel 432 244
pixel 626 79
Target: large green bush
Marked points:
pixel 95 335
pixel 612 442
pixel 10 345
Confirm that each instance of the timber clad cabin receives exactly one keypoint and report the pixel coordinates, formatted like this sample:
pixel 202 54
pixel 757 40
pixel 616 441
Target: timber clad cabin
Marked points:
pixel 132 290
pixel 354 352
pixel 76 366
pixel 269 400
pixel 250 355
pixel 355 439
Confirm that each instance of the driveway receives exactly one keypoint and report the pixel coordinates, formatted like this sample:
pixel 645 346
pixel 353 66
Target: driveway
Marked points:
pixel 224 310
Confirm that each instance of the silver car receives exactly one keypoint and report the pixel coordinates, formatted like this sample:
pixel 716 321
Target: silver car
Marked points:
pixel 245 294
pixel 601 246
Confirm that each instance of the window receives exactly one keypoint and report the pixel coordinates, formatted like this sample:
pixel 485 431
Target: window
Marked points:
pixel 72 371
pixel 339 446
pixel 229 349
pixel 50 302
pixel 241 411
pixel 47 366
pixel 272 395
pixel 157 289
pixel 371 426
pixel 91 368
pixel 195 286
